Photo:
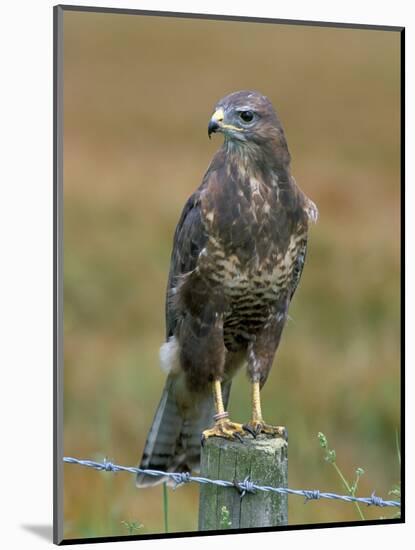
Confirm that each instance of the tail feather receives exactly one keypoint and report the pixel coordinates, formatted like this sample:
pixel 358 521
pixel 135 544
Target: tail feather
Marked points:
pixel 162 437
pixel 173 442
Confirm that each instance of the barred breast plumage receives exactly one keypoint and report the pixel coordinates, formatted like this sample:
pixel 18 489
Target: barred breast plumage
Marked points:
pixel 252 293
pixel 255 286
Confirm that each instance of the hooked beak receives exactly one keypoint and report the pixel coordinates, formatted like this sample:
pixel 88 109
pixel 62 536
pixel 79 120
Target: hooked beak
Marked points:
pixel 215 121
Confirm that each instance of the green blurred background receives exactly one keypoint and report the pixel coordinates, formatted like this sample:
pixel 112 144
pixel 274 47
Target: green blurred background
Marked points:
pixel 138 94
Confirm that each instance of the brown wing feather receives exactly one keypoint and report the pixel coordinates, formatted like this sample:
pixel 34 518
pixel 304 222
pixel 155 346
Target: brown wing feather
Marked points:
pixel 189 240
pixel 298 267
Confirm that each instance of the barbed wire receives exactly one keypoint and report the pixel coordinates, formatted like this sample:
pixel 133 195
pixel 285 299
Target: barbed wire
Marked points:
pixel 245 486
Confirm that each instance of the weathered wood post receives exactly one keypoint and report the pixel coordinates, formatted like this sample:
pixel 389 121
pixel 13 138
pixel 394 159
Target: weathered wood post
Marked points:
pixel 265 461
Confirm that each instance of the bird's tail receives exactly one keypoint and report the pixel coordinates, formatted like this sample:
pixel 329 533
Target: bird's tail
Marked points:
pixel 173 442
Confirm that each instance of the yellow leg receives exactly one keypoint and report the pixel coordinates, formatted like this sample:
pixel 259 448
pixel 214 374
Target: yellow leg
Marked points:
pixel 256 403
pixel 217 395
pixel 223 426
pixel 257 424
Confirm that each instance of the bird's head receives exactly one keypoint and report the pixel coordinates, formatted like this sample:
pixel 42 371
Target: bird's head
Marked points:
pixel 246 117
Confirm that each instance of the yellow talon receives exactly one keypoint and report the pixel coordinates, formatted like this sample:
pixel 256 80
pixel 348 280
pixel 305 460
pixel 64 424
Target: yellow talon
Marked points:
pixel 224 428
pixel 256 427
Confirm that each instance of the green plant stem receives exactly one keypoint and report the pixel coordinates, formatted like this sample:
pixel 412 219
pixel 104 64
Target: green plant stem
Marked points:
pixel 166 508
pixel 349 490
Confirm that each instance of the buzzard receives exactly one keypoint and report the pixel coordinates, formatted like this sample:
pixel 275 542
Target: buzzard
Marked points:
pixel 238 254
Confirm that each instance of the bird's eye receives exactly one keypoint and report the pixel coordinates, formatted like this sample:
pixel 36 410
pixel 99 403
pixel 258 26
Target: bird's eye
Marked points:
pixel 246 116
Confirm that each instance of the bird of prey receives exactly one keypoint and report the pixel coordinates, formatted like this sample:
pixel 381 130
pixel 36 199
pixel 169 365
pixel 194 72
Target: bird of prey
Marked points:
pixel 238 254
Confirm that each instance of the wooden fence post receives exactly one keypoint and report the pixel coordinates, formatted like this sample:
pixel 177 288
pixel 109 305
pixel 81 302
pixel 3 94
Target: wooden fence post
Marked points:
pixel 265 461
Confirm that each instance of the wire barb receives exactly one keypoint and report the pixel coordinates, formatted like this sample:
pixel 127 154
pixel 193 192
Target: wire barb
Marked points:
pixel 108 466
pixel 312 495
pixel 245 486
pixel 180 478
pixel 375 500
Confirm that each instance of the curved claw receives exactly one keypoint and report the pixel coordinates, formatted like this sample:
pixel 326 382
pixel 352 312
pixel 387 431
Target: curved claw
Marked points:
pixel 250 430
pixel 237 436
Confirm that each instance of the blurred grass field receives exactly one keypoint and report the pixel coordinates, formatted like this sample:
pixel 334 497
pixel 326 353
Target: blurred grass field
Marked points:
pixel 138 94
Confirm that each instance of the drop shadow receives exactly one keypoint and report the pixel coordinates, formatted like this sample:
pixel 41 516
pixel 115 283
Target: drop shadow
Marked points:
pixel 43 531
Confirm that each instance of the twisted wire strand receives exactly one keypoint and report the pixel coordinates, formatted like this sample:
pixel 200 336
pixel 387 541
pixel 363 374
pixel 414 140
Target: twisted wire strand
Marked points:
pixel 245 486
